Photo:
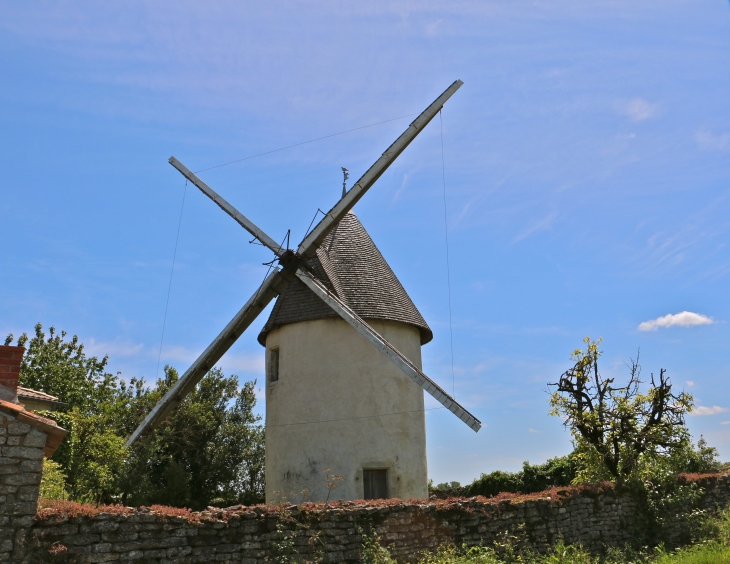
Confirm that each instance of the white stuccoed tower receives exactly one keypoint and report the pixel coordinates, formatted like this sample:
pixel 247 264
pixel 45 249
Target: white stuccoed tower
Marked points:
pixel 335 402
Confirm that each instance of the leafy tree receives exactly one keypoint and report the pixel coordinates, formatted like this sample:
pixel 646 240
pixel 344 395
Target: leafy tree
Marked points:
pixel 62 369
pixel 621 433
pixel 92 455
pixel 53 481
pixel 209 451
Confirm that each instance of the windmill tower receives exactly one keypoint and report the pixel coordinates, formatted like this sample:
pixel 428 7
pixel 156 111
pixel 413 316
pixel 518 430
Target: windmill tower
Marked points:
pixel 344 384
pixel 332 400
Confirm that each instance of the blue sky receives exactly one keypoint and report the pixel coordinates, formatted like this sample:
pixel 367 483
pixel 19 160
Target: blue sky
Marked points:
pixel 587 168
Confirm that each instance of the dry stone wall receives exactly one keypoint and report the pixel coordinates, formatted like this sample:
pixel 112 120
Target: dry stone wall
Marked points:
pixel 594 517
pixel 21 464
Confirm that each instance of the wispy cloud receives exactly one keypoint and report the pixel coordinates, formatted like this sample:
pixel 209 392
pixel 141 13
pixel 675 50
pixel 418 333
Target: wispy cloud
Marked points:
pixel 683 319
pixel 724 422
pixel 708 141
pixel 704 410
pixel 534 226
pixel 637 109
pixel 531 430
pixel 689 383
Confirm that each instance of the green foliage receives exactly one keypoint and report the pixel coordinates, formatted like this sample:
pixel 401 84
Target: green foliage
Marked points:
pixel 559 471
pixel 209 451
pixel 446 486
pixel 53 481
pixel 62 369
pixel 621 432
pixel 712 547
pixel 373 552
pixel 559 554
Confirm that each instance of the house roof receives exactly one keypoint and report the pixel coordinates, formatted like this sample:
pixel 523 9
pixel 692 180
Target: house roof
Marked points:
pixel 35 394
pixel 352 267
pixel 54 433
pixel 35 399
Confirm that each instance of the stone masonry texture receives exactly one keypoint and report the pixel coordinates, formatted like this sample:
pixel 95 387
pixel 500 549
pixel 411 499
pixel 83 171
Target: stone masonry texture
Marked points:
pixel 596 517
pixel 21 464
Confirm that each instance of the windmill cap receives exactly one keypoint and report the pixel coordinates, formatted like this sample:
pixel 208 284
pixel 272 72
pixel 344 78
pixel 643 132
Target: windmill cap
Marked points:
pixel 352 267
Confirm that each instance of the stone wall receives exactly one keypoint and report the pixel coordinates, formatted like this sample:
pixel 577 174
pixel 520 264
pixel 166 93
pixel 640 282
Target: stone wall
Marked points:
pixel 21 464
pixel 595 517
pixel 25 438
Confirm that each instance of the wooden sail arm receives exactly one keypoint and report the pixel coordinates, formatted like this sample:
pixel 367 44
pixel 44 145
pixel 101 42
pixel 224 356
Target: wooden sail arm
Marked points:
pixel 311 242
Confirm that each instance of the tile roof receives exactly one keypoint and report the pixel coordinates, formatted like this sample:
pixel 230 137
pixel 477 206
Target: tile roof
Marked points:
pixel 35 394
pixel 351 266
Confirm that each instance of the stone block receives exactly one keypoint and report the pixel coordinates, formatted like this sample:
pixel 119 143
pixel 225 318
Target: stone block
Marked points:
pixel 18 428
pixel 30 453
pixel 99 558
pixel 31 465
pixel 36 439
pixel 19 508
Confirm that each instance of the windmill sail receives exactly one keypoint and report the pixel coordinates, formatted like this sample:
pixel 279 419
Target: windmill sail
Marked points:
pixel 272 287
pixel 290 261
pixel 393 354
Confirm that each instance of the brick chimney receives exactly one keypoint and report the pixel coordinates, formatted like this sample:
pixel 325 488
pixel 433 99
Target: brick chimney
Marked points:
pixel 10 359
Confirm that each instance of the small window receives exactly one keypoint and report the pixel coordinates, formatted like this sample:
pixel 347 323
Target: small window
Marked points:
pixel 375 483
pixel 273 365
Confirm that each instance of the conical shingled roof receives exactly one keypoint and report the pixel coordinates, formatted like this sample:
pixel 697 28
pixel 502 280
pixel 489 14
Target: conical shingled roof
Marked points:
pixel 351 266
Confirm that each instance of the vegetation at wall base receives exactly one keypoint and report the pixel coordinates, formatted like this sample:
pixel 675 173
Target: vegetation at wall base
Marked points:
pixel 712 546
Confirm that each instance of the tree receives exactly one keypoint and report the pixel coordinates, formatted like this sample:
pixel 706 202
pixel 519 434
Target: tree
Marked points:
pixel 620 432
pixel 210 450
pixel 93 454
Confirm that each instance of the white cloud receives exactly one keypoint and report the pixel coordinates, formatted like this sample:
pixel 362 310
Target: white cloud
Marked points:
pixel 683 319
pixel 689 383
pixel 534 430
pixel 704 410
pixel 638 109
pixel 724 422
pixel 709 141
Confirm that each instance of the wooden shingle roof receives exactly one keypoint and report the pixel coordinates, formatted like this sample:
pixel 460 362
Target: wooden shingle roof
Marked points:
pixel 351 266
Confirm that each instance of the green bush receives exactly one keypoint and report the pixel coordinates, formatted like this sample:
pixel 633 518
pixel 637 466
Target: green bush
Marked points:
pixel 559 471
pixel 53 481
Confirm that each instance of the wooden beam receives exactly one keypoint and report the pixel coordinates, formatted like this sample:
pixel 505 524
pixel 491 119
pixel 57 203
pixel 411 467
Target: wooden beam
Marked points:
pixel 242 220
pixel 311 242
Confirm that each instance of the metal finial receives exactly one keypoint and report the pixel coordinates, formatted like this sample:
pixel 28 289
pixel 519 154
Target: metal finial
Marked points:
pixel 346 173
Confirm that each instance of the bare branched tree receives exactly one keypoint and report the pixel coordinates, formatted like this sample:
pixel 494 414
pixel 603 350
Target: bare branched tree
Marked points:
pixel 615 426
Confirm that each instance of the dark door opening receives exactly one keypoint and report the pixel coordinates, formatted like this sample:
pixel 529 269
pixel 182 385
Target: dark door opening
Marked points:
pixel 376 484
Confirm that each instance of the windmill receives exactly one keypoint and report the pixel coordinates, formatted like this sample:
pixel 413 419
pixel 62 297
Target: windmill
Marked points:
pixel 334 400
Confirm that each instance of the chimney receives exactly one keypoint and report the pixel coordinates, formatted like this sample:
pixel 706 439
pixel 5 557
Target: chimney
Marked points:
pixel 10 359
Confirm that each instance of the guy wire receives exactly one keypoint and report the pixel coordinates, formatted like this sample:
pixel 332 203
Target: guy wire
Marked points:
pixel 448 267
pixel 169 286
pixel 303 143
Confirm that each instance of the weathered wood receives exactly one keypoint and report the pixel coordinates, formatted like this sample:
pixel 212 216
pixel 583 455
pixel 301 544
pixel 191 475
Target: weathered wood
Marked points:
pixel 277 281
pixel 246 223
